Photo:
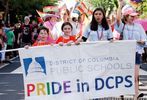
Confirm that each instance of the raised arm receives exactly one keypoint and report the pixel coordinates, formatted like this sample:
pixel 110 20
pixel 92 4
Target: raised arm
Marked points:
pixel 118 15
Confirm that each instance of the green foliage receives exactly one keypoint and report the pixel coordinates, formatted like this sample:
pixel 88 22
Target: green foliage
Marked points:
pixel 24 7
pixel 107 5
pixel 143 9
pixel 111 5
pixel 21 8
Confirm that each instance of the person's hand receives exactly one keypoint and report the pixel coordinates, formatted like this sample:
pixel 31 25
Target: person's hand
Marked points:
pixel 120 3
pixel 69 43
pixel 61 43
pixel 77 42
pixel 111 41
pixel 141 42
pixel 26 47
pixel 51 44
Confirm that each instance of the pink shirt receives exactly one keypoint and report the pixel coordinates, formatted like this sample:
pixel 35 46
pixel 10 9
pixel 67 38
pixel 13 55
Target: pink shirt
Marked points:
pixel 49 25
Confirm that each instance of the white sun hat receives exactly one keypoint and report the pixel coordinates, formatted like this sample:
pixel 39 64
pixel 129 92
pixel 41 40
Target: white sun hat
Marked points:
pixel 128 10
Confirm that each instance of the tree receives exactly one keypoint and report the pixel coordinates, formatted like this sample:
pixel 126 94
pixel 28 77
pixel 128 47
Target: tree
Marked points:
pixel 110 5
pixel 29 6
pixel 143 9
pixel 24 7
pixel 107 5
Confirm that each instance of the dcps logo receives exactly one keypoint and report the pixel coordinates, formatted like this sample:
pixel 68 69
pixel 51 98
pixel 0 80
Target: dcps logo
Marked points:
pixel 36 65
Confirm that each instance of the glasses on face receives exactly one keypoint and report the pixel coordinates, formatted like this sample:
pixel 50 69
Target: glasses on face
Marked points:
pixel 132 16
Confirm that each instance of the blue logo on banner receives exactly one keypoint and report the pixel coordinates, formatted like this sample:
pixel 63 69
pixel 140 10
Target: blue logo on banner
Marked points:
pixel 38 60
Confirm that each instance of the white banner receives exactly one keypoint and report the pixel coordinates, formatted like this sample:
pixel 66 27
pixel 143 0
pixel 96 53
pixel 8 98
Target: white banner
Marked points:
pixel 79 72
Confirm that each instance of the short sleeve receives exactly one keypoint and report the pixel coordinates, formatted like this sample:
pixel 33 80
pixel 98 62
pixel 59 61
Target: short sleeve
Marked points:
pixel 142 32
pixel 60 39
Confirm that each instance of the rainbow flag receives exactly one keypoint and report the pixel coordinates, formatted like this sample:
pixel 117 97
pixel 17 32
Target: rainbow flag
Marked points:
pixel 41 14
pixel 50 9
pixel 44 15
pixel 81 8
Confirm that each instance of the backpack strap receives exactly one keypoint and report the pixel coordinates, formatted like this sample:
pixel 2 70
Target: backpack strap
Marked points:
pixel 121 35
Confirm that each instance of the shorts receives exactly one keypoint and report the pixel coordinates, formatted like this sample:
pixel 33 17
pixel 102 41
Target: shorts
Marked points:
pixel 138 59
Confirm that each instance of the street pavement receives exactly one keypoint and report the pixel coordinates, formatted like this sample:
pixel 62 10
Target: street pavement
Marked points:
pixel 143 79
pixel 11 82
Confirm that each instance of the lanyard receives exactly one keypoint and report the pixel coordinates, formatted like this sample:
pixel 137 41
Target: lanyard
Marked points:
pixel 100 35
pixel 130 35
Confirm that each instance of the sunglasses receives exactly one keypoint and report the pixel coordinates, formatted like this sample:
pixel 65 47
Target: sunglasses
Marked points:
pixel 132 16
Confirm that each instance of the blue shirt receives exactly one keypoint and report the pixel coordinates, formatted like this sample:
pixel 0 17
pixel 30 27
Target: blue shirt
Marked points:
pixel 99 35
pixel 132 32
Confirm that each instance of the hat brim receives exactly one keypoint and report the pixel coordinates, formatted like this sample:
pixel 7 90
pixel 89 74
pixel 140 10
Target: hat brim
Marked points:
pixel 50 15
pixel 133 14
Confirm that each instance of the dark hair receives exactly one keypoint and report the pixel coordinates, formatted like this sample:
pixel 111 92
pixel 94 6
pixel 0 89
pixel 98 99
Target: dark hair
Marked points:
pixel 94 23
pixel 74 19
pixel 124 19
pixel 67 11
pixel 42 28
pixel 66 23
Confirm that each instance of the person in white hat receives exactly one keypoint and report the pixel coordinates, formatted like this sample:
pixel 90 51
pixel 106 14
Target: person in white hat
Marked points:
pixel 131 31
pixel 65 16
pixel 50 20
pixel 26 35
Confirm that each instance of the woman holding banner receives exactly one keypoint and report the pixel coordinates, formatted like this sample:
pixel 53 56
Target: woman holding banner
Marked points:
pixel 131 31
pixel 98 29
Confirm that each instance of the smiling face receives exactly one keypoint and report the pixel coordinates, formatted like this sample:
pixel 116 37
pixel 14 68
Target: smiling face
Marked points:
pixel 131 19
pixel 98 15
pixel 27 21
pixel 43 34
pixel 67 30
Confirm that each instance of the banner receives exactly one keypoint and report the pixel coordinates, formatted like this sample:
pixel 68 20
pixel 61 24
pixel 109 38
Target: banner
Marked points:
pixel 79 72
